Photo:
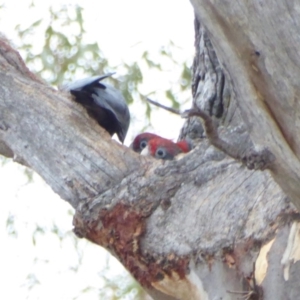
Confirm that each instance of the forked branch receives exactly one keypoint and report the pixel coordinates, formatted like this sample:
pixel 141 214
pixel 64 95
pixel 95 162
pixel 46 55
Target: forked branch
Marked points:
pixel 252 159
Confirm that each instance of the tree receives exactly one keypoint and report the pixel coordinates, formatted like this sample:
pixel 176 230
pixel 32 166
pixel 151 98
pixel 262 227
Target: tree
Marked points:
pixel 203 226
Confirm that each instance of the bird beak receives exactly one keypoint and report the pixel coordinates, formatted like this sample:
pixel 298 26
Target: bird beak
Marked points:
pixel 131 146
pixel 145 151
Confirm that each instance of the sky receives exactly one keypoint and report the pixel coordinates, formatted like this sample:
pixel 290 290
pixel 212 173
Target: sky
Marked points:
pixel 37 256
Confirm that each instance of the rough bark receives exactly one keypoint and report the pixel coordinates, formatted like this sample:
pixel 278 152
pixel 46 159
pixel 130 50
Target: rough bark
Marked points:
pixel 257 44
pixel 191 228
pixel 37 128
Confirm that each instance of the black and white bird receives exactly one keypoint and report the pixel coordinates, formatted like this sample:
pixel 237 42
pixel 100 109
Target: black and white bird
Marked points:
pixel 103 102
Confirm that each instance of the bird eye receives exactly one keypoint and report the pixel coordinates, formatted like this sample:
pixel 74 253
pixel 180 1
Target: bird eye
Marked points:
pixel 160 153
pixel 143 144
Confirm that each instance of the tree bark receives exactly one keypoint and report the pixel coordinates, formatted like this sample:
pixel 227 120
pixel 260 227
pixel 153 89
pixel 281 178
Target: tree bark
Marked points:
pixel 202 226
pixel 257 44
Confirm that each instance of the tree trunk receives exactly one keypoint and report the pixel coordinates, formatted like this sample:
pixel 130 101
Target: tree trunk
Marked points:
pixel 202 226
pixel 257 43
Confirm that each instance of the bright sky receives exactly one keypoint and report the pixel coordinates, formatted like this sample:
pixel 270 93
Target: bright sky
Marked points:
pixel 130 26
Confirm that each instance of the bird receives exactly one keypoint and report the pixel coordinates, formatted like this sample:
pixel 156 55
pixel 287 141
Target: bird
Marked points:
pixel 162 148
pixel 141 141
pixel 103 102
pixel 186 145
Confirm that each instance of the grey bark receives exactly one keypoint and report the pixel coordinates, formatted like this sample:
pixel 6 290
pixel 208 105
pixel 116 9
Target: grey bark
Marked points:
pixel 190 228
pixel 257 44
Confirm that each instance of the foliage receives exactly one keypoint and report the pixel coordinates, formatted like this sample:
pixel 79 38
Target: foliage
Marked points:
pixel 65 56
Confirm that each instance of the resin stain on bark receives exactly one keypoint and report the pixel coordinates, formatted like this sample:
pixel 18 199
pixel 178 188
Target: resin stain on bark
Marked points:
pixel 120 230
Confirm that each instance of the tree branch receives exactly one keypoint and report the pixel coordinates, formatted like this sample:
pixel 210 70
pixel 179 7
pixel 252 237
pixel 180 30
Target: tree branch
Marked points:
pixel 262 75
pixel 47 131
pixel 183 227
pixel 257 160
pixel 170 109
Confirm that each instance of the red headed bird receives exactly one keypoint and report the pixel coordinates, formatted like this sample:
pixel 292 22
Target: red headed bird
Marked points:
pixel 165 149
pixel 141 141
pixel 185 145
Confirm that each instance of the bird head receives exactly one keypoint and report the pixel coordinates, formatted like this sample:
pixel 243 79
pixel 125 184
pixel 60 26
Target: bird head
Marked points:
pixel 161 148
pixel 141 141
